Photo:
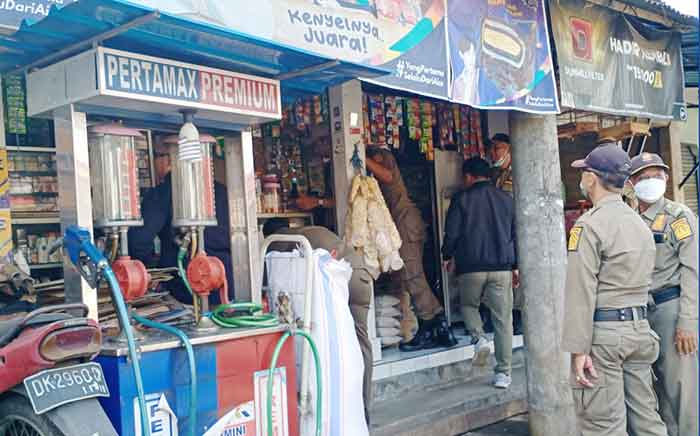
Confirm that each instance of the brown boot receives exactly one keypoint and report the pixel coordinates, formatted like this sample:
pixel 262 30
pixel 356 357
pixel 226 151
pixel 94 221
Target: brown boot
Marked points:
pixel 409 322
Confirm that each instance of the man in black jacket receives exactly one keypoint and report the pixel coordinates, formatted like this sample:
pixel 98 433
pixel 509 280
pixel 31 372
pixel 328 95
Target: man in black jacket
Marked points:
pixel 480 244
pixel 157 212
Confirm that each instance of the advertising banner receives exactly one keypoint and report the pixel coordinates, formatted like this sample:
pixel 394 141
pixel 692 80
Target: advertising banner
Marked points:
pixel 612 63
pixel 12 12
pixel 500 55
pixel 403 36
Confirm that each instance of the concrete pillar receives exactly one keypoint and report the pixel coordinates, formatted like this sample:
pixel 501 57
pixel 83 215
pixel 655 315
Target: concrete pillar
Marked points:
pixel 74 196
pixel 346 131
pixel 542 263
pixel 243 216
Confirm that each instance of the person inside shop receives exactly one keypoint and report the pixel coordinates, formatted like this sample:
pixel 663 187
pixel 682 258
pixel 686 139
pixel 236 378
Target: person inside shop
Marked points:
pixel 360 286
pixel 502 176
pixel 433 330
pixel 673 297
pixel 157 212
pixel 480 246
pixel 501 161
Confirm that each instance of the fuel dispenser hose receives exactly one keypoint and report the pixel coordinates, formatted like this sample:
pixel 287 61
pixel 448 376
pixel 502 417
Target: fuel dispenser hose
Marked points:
pixel 270 378
pixel 123 315
pixel 249 320
pixel 190 356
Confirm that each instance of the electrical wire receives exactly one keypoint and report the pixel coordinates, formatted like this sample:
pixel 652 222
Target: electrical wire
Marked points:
pixel 123 314
pixel 192 364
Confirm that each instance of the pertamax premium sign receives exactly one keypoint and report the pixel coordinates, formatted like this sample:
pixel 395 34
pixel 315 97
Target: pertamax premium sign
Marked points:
pixel 130 75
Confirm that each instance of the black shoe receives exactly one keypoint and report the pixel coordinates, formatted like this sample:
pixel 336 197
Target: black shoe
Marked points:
pixel 424 338
pixel 443 333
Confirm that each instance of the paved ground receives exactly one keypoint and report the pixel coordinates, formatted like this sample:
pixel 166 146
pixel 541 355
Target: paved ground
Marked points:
pixel 515 426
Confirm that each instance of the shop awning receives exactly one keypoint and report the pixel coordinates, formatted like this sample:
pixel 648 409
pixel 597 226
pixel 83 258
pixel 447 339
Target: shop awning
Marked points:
pixel 119 24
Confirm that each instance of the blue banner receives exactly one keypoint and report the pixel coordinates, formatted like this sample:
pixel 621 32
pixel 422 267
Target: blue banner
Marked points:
pixel 500 55
pixel 12 12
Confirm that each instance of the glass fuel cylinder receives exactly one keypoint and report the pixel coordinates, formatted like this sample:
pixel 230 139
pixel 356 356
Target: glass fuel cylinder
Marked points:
pixel 193 178
pixel 114 177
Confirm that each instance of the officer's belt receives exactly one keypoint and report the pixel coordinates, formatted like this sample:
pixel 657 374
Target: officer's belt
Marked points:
pixel 626 314
pixel 665 295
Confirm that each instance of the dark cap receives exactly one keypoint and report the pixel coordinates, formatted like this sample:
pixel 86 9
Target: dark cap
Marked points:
pixel 608 161
pixel 647 160
pixel 500 137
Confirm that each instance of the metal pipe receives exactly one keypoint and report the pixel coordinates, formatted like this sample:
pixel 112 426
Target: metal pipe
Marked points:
pixel 200 239
pixel 92 42
pixel 308 70
pixel 644 141
pixel 123 241
pixel 308 254
pixel 113 246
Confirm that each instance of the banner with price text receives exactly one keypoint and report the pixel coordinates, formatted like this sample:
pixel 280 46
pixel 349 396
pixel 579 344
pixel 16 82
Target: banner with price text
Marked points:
pixel 613 63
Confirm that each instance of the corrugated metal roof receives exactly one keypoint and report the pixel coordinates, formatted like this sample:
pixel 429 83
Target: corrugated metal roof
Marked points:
pixel 168 36
pixel 662 8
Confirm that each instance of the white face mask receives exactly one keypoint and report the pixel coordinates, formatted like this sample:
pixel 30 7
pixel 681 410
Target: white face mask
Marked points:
pixel 650 190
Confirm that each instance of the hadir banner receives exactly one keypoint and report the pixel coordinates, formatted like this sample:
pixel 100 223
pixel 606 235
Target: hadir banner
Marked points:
pixel 500 55
pixel 613 63
pixel 403 36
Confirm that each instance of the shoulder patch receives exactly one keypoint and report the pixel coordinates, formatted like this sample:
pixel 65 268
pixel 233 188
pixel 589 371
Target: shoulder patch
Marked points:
pixel 673 209
pixel 575 238
pixel 659 223
pixel 681 229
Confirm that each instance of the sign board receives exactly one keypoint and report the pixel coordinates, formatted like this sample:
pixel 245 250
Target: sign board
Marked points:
pixel 613 63
pixel 407 37
pixel 280 420
pixel 240 421
pixel 12 12
pixel 500 55
pixel 161 418
pixel 147 78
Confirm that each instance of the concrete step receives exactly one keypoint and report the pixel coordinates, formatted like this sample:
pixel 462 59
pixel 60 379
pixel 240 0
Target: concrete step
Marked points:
pixel 451 409
pixel 401 374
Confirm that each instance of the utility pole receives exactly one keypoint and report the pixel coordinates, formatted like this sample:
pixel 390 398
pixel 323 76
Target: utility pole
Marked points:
pixel 542 262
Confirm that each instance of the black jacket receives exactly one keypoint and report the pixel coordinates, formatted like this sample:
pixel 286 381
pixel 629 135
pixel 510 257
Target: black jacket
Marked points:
pixel 157 212
pixel 480 230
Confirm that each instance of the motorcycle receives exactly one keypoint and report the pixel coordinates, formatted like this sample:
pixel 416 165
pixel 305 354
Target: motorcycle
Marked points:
pixel 48 381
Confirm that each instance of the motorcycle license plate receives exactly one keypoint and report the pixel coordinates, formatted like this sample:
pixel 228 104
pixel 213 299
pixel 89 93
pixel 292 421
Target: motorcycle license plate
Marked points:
pixel 55 387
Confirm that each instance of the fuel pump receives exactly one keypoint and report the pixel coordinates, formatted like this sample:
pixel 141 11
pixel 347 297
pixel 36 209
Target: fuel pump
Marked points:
pixel 116 202
pixel 194 209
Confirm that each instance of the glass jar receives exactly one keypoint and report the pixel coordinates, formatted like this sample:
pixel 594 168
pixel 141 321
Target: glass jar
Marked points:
pixel 271 197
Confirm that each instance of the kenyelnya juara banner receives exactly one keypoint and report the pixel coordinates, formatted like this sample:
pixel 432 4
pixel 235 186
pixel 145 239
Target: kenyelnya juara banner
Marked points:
pixel 406 37
pixel 500 55
pixel 610 62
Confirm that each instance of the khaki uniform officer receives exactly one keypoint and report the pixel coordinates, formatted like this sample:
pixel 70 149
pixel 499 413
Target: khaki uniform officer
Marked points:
pixel 611 254
pixel 673 302
pixel 433 330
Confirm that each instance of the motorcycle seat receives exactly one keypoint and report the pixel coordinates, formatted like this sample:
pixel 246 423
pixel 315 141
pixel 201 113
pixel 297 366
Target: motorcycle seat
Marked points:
pixel 11 328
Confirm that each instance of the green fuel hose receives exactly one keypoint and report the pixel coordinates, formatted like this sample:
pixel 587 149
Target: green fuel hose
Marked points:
pixel 242 315
pixel 192 364
pixel 270 378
